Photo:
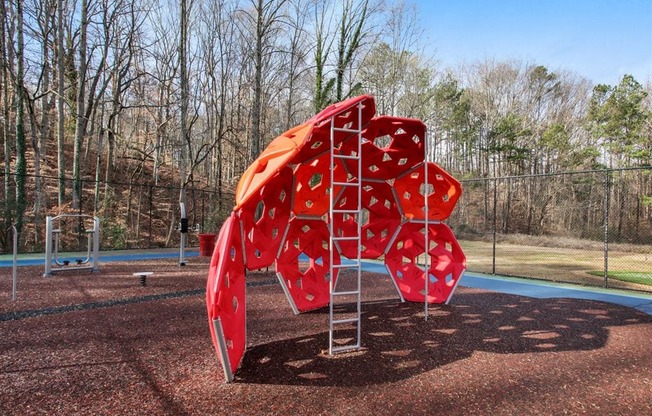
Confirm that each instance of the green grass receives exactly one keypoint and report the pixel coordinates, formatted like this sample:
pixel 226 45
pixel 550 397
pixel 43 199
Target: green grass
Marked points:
pixel 626 276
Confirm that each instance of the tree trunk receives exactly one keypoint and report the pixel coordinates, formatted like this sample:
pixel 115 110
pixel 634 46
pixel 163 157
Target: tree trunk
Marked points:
pixel 81 95
pixel 21 163
pixel 61 167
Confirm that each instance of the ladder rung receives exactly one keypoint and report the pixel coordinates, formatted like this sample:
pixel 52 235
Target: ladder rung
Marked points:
pixel 342 129
pixel 345 266
pixel 350 157
pixel 346 183
pixel 346 211
pixel 346 293
pixel 346 348
pixel 345 321
pixel 346 238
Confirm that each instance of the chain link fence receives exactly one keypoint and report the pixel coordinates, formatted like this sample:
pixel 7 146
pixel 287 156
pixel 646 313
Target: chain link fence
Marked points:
pixel 132 215
pixel 591 228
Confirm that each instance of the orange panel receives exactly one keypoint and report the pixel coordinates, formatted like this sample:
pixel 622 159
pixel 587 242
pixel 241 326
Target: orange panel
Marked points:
pixel 270 161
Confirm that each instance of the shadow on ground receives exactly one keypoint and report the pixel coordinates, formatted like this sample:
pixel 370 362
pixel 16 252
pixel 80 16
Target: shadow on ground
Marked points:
pixel 399 344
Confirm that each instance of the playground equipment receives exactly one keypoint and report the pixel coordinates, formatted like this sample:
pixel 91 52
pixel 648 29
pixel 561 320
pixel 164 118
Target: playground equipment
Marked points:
pixel 344 186
pixel 143 277
pixel 53 264
pixel 184 229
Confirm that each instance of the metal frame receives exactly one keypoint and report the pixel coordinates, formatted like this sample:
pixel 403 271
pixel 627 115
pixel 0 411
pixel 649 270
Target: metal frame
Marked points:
pixel 52 246
pixel 333 239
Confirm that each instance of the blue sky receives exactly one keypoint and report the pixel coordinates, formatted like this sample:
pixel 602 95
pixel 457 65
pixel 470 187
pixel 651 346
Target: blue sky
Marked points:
pixel 598 39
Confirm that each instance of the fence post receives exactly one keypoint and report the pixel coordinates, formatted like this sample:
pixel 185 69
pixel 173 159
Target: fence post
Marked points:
pixel 149 236
pixel 607 190
pixel 80 221
pixel 493 257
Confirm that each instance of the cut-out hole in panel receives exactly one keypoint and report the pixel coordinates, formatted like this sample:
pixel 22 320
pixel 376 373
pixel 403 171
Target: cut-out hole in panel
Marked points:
pixel 372 201
pixel 432 278
pixel 232 253
pixel 407 195
pixel 416 139
pixel 383 141
pixel 384 233
pixel 444 198
pixel 315 180
pixel 370 234
pixel 449 278
pixel 258 213
pixel 426 189
pixel 399 274
pixel 309 203
pixel 387 157
pixel 388 204
pixel 309 297
pixel 274 233
pixel 316 145
pixel 374 168
pixel 399 131
pixel 439 177
pixel 402 161
pixel 282 195
pixel 258 254
pixel 364 217
pixel 271 212
pixel 234 302
pixel 415 175
pixel 305 228
pixel 449 247
pixel 406 260
pixel 399 245
pixel 367 188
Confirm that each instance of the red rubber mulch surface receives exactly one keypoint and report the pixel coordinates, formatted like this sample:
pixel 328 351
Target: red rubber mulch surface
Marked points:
pixel 132 350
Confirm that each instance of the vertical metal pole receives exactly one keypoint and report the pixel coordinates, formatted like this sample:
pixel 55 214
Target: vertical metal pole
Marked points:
pixel 80 221
pixel 96 244
pixel 607 189
pixel 14 285
pixel 331 245
pixel 48 246
pixel 184 231
pixel 202 210
pixel 493 257
pixel 426 182
pixel 149 239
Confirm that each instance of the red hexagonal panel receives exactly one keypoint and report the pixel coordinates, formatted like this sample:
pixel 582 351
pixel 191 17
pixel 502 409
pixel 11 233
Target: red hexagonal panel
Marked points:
pixel 311 183
pixel 264 220
pixel 394 146
pixel 225 291
pixel 344 116
pixel 447 262
pixel 443 192
pixel 307 280
pixel 380 218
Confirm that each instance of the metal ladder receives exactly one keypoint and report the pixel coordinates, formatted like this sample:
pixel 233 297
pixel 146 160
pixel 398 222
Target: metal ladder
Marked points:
pixel 345 320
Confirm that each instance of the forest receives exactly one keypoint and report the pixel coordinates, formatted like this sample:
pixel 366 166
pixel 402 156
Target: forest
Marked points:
pixel 185 94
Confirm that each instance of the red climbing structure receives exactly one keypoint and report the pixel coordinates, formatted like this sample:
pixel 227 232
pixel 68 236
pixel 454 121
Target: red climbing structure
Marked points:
pixel 344 186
